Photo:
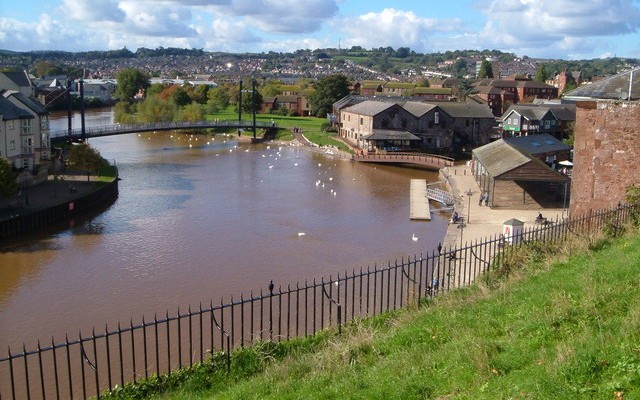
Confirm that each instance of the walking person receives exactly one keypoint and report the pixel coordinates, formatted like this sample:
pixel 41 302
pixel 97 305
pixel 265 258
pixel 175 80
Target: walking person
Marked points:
pixel 486 199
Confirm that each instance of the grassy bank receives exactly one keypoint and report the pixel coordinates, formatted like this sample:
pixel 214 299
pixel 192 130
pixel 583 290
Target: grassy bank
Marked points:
pixel 564 326
pixel 311 126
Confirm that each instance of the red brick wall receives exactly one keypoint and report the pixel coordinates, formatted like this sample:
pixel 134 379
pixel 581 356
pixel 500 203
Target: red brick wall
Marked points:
pixel 606 154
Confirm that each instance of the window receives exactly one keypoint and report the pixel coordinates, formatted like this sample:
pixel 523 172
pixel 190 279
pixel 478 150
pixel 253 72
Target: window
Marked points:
pixel 12 144
pixel 466 122
pixel 436 117
pixel 361 121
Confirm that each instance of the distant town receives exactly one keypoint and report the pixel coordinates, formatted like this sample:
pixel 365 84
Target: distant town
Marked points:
pixel 375 101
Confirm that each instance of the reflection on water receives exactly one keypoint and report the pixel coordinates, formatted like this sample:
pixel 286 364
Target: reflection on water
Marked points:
pixel 200 218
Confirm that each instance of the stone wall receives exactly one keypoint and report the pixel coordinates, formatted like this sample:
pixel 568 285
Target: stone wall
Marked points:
pixel 606 154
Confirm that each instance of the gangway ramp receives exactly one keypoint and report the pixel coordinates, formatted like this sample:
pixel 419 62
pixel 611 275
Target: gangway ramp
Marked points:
pixel 441 196
pixel 418 201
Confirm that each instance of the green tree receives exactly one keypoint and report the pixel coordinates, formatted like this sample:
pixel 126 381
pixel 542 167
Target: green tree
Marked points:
pixel 329 89
pixel 156 88
pixel 154 109
pixel 247 98
pixel 569 86
pixel 199 94
pixel 123 112
pixel 180 97
pixel 83 157
pixel 219 96
pixel 486 70
pixel 8 183
pixel 541 74
pixel 191 112
pixel 463 89
pixel 129 82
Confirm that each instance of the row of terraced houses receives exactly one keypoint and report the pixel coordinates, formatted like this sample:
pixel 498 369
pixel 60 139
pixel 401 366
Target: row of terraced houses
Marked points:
pixel 24 127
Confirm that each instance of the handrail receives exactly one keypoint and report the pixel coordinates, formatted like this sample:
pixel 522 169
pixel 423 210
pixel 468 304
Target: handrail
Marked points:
pixel 105 130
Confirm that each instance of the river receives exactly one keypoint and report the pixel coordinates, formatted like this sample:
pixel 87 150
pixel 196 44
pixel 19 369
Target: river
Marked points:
pixel 201 219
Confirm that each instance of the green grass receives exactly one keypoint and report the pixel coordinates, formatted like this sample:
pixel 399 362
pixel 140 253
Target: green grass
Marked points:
pixel 311 126
pixel 564 325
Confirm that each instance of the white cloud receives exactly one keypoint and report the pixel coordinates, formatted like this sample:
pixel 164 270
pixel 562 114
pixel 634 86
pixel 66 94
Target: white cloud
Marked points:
pixel 544 27
pixel 153 19
pixel 396 28
pixel 93 11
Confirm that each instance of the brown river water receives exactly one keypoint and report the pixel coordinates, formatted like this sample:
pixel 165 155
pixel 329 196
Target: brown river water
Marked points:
pixel 200 220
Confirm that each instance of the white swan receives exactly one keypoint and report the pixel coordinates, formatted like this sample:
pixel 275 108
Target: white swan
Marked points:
pixel 414 237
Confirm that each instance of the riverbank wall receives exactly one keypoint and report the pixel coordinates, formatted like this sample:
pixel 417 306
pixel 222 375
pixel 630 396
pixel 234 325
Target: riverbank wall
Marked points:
pixel 61 208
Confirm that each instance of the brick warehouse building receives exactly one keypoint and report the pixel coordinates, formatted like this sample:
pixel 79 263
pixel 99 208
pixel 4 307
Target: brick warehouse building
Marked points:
pixel 606 145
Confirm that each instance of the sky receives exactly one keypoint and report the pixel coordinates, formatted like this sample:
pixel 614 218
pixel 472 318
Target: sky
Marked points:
pixel 559 29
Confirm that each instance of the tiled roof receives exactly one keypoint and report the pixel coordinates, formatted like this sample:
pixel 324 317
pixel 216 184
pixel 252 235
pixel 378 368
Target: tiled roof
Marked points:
pixel 369 107
pixel 417 108
pixel 536 144
pixel 20 78
pixel 613 88
pixel 33 104
pixel 562 112
pixel 466 110
pixel 10 111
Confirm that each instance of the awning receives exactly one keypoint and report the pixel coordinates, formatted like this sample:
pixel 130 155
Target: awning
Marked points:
pixel 385 134
pixel 566 163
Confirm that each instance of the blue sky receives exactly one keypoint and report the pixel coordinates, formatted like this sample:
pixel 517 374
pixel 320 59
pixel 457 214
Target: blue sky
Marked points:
pixel 566 29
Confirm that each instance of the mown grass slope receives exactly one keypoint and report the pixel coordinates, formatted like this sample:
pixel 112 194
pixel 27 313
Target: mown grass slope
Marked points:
pixel 566 325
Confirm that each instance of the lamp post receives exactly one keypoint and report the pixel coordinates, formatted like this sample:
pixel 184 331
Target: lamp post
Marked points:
pixel 469 193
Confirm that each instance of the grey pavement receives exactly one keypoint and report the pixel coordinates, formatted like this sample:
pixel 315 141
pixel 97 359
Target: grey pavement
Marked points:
pixel 46 194
pixel 481 221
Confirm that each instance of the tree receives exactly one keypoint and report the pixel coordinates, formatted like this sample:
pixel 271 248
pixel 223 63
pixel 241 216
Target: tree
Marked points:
pixel 569 86
pixel 329 89
pixel 180 97
pixel 541 74
pixel 8 183
pixel 463 89
pixel 191 112
pixel 129 82
pixel 154 109
pixel 247 98
pixel 83 157
pixel 486 70
pixel 219 96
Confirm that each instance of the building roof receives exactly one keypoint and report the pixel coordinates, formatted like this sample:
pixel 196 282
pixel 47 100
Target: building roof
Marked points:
pixel 431 90
pixel 387 134
pixel 10 111
pixel 500 158
pixel 33 104
pixel 537 144
pixel 19 78
pixel 417 108
pixel 467 110
pixel 615 87
pixel 369 107
pixel 535 112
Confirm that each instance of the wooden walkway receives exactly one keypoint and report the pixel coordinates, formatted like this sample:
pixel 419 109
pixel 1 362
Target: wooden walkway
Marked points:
pixel 423 159
pixel 419 202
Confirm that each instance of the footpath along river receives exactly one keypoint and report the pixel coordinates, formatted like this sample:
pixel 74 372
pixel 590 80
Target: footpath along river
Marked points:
pixel 198 220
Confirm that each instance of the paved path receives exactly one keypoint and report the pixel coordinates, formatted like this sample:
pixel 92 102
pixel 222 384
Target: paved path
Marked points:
pixel 47 194
pixel 482 221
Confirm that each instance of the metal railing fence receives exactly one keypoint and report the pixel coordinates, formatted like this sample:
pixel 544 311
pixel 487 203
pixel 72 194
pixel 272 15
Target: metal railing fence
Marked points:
pixel 86 366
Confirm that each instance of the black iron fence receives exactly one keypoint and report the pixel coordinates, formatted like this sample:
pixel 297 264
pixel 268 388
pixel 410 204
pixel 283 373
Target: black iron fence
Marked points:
pixel 86 366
